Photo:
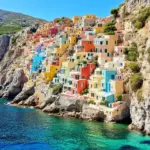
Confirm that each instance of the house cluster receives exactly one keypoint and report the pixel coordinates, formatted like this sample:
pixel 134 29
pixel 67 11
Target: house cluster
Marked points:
pixel 77 54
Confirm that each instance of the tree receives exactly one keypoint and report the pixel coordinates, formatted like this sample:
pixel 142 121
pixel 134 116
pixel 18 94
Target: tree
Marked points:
pixel 114 12
pixel 110 28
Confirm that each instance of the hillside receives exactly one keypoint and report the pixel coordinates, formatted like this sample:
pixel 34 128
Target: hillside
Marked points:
pixel 11 22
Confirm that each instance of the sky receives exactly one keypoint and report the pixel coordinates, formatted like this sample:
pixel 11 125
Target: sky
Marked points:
pixel 50 9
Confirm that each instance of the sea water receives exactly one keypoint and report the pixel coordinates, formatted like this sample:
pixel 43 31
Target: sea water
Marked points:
pixel 30 129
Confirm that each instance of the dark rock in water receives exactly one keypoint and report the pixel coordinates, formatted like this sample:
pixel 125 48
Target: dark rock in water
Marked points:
pixel 146 142
pixel 129 147
pixel 4 44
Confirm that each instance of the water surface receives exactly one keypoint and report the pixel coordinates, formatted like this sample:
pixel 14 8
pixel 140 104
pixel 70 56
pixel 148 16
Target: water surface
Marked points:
pixel 30 129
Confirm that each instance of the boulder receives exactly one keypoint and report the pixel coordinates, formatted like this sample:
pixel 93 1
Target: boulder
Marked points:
pixel 25 93
pixel 70 104
pixel 31 101
pixel 92 112
pixel 51 108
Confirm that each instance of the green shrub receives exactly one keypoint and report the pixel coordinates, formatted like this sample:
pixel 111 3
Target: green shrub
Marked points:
pixel 143 16
pixel 110 28
pixel 140 95
pixel 148 50
pixel 91 102
pixel 148 59
pixel 131 52
pixel 14 40
pixel 119 97
pixel 136 81
pixel 138 24
pixel 114 12
pixel 134 67
pixel 85 91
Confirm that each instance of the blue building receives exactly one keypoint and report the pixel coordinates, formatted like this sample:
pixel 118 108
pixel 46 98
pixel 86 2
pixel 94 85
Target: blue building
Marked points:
pixel 37 61
pixel 107 75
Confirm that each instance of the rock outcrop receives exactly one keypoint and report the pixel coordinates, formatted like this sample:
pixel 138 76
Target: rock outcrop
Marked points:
pixel 140 114
pixel 13 84
pixel 4 44
pixel 24 94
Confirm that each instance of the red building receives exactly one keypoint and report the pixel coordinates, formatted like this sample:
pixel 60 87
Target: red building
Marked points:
pixel 79 86
pixel 88 46
pixel 80 80
pixel 87 70
pixel 53 31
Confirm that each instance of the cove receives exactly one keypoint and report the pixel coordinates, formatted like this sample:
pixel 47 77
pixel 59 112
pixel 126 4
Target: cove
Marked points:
pixel 28 129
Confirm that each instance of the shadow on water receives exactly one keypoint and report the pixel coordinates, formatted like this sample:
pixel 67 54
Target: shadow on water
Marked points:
pixel 128 147
pixel 28 146
pixel 146 142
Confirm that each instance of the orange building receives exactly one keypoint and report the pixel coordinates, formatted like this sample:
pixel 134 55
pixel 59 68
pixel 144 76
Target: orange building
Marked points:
pixel 88 46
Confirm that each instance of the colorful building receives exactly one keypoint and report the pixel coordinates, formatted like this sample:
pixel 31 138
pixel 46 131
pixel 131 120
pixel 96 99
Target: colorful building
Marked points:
pixel 108 75
pixel 50 72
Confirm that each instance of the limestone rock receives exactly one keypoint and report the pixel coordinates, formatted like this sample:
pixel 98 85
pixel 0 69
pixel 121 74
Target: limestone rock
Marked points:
pixel 14 83
pixel 70 104
pixel 140 114
pixel 51 108
pixel 92 112
pixel 25 93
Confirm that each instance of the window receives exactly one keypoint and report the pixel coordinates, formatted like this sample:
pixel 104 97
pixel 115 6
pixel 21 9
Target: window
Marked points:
pixel 82 85
pixel 96 85
pixel 105 50
pixel 101 50
pixel 92 95
pixel 78 57
pixel 112 77
pixel 108 54
pixel 101 42
pixel 106 42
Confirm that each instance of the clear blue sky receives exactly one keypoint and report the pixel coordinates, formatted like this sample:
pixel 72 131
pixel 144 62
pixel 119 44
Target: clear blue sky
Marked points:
pixel 50 9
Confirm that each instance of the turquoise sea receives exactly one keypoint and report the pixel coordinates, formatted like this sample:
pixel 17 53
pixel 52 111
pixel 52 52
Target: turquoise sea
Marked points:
pixel 30 129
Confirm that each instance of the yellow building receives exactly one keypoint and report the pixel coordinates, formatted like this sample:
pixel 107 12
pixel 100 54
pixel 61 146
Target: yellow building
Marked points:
pixel 98 28
pixel 72 40
pixel 90 16
pixel 76 19
pixel 95 85
pixel 50 72
pixel 117 87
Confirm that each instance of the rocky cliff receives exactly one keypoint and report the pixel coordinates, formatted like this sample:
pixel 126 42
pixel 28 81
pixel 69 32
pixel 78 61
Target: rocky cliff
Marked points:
pixel 140 101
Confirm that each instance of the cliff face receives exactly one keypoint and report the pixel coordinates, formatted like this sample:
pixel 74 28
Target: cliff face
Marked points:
pixel 4 44
pixel 140 103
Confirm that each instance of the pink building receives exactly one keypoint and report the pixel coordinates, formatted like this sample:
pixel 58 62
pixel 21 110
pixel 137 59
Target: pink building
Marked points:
pixel 119 50
pixel 104 58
